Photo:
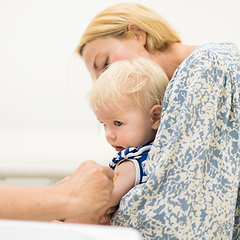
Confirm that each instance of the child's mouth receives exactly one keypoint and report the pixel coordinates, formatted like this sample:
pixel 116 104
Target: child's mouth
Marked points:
pixel 118 148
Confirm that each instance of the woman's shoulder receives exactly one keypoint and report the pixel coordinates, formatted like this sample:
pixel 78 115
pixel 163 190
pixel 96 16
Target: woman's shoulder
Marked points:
pixel 217 46
pixel 209 56
pixel 227 52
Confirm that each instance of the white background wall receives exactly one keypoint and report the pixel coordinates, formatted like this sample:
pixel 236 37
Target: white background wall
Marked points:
pixel 44 118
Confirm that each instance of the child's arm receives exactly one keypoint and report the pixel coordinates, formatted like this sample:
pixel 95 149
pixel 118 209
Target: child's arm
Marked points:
pixel 125 180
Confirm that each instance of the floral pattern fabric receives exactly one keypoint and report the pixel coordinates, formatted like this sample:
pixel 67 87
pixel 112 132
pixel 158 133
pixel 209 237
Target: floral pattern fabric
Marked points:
pixel 194 164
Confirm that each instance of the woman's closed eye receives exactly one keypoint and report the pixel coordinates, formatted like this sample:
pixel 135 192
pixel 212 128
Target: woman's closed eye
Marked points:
pixel 106 64
pixel 117 123
pixel 104 67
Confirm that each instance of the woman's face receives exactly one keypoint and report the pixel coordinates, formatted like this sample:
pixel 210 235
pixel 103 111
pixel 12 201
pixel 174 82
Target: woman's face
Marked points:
pixel 101 52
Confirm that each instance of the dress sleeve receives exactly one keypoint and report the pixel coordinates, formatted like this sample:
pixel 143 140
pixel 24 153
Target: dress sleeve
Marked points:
pixel 193 165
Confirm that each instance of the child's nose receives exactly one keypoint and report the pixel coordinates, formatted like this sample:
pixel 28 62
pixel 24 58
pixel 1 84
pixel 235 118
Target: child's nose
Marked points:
pixel 109 134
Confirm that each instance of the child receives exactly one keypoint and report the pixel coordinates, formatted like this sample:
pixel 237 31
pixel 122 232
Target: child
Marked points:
pixel 127 100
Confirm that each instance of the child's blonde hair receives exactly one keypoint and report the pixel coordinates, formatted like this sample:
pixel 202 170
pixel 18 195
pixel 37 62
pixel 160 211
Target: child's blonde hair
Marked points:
pixel 114 21
pixel 140 80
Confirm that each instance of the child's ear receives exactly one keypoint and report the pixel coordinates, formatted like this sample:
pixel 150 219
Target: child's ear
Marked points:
pixel 155 114
pixel 138 33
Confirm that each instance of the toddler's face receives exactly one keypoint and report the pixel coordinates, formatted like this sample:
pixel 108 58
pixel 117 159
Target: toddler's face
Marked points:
pixel 126 126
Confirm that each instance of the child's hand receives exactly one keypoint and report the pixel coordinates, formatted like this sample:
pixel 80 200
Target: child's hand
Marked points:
pixel 105 219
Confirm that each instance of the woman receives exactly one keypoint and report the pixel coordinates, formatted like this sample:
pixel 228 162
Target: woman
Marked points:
pixel 76 195
pixel 193 166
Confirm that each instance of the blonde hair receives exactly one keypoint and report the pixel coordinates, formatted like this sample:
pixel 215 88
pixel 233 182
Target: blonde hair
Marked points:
pixel 114 21
pixel 140 80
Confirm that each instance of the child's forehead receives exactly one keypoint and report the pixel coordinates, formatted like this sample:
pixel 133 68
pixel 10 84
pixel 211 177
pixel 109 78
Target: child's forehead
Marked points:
pixel 115 104
pixel 108 114
pixel 108 110
pixel 113 110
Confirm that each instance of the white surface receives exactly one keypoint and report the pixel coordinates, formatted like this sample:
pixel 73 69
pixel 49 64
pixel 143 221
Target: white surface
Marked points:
pixel 51 153
pixel 46 126
pixel 23 230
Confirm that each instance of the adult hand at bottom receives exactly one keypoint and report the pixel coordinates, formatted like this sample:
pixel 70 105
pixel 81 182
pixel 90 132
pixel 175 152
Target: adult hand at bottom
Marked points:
pixel 87 189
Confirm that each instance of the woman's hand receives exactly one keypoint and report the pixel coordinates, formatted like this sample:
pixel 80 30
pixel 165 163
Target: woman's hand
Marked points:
pixel 88 189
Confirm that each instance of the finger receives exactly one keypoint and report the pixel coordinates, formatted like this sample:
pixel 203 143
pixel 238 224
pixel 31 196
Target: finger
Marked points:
pixel 109 172
pixel 104 219
pixel 111 210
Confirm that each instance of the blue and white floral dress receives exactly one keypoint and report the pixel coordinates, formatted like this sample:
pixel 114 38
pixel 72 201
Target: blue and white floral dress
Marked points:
pixel 193 166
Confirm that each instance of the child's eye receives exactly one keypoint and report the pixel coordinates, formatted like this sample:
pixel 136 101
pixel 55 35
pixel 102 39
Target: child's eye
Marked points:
pixel 117 123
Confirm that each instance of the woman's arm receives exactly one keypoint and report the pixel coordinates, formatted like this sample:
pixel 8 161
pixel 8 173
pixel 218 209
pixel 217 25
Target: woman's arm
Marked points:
pixel 88 189
pixel 125 180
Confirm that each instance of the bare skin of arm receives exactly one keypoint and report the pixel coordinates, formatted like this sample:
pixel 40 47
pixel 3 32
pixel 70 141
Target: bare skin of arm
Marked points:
pixel 125 180
pixel 76 195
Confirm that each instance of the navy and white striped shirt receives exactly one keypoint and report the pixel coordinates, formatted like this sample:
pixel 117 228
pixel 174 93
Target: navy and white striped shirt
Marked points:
pixel 137 156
